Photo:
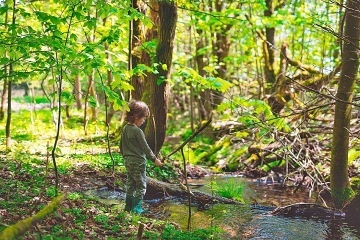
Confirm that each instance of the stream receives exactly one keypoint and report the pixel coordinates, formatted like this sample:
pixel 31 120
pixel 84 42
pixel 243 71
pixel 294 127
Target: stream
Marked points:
pixel 250 221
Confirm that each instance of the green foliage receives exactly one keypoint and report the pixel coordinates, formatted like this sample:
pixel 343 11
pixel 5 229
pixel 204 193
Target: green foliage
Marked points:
pixel 230 189
pixel 353 154
pixel 214 83
pixel 170 232
pixel 29 99
pixel 74 195
pixel 51 191
pixel 342 196
pixel 253 113
pixel 164 173
pixel 233 162
pixel 102 219
pixel 355 184
pixel 268 167
pixel 78 214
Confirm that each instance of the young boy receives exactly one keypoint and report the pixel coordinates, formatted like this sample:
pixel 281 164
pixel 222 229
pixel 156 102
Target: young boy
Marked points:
pixel 135 150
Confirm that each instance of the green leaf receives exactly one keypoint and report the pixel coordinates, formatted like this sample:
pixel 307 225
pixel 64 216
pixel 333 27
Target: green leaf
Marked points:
pixel 4 60
pixel 42 16
pixel 164 67
pixel 92 101
pixel 55 20
pixel 3 9
pixel 120 104
pixel 160 80
pixel 353 154
pixel 67 97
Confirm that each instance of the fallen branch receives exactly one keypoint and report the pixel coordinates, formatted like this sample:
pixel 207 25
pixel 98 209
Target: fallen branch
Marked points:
pixel 157 189
pixel 19 228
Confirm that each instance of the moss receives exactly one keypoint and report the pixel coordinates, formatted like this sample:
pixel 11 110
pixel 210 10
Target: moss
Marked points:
pixel 342 196
pixel 22 226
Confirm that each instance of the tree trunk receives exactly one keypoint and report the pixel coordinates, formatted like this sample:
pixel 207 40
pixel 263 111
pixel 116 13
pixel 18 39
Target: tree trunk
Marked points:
pixel 269 48
pixel 91 91
pixel 111 111
pixel 157 84
pixel 339 178
pixel 11 67
pixel 221 48
pixel 205 96
pixel 8 119
pixel 136 39
pixel 282 90
pixel 3 94
pixel 77 92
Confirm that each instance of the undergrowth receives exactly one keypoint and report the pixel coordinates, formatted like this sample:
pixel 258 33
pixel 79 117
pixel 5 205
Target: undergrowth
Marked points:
pixel 83 161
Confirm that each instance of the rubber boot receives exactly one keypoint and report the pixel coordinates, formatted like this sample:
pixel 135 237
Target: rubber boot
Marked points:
pixel 128 203
pixel 137 206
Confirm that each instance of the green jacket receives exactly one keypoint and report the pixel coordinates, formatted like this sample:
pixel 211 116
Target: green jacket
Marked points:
pixel 133 144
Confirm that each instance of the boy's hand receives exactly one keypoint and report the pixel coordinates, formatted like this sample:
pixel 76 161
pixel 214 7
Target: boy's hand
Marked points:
pixel 158 162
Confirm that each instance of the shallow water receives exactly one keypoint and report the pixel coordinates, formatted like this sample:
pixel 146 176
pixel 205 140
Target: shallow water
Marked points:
pixel 248 221
pixel 243 222
pixel 254 221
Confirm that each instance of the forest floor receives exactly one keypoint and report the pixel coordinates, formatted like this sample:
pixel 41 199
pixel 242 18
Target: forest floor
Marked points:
pixel 27 188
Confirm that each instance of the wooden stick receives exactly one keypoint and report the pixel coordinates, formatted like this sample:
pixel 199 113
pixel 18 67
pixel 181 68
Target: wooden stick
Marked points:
pixel 140 231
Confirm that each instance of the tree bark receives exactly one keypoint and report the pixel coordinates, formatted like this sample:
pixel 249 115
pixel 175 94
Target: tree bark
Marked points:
pixel 136 38
pixel 77 92
pixel 269 48
pixel 158 86
pixel 339 178
pixel 3 94
pixel 8 119
pixel 205 96
pixel 221 48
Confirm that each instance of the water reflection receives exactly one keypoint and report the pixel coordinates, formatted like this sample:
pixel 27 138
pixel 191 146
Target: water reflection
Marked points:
pixel 246 222
pixel 254 222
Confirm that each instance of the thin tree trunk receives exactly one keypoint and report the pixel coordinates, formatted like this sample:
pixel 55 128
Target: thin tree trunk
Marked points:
pixel 339 178
pixel 111 111
pixel 77 92
pixel 3 94
pixel 90 92
pixel 8 119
